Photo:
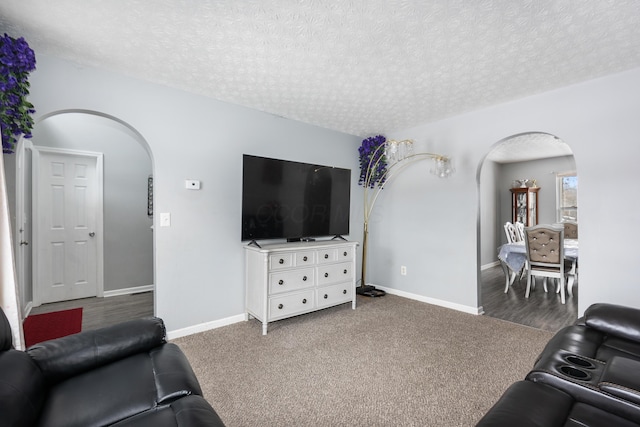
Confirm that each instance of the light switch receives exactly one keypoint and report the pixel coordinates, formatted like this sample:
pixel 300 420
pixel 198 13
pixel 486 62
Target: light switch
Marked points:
pixel 165 219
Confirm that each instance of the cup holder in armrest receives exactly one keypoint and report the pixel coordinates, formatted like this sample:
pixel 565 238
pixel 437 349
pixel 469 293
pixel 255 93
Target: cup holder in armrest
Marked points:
pixel 575 373
pixel 579 361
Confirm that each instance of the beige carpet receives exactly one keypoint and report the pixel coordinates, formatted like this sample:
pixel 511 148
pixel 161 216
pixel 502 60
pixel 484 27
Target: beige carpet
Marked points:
pixel 390 362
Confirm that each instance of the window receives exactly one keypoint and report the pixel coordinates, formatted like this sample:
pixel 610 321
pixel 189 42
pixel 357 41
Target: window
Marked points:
pixel 567 197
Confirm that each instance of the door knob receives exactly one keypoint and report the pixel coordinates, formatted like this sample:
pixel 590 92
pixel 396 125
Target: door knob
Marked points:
pixel 92 234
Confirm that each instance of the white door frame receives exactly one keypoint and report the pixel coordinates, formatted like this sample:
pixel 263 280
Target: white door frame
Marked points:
pixel 99 214
pixel 22 169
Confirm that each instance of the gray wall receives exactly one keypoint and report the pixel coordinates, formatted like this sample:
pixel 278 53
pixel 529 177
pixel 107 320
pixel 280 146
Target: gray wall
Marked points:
pixel 490 220
pixel 544 172
pixel 429 225
pixel 128 238
pixel 598 121
pixel 199 260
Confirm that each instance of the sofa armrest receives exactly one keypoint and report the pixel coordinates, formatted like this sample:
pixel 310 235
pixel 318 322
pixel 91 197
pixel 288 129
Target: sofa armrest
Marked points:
pixel 71 355
pixel 617 320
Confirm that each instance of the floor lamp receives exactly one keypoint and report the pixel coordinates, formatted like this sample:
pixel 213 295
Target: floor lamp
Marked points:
pixel 385 160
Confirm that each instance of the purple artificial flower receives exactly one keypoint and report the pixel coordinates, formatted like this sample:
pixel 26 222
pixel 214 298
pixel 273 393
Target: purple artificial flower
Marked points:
pixel 17 60
pixel 372 156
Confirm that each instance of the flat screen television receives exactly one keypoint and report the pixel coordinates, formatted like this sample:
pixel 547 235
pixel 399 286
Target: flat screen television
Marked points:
pixel 289 200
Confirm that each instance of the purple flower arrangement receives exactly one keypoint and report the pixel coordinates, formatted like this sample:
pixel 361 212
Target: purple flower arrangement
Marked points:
pixel 17 60
pixel 372 155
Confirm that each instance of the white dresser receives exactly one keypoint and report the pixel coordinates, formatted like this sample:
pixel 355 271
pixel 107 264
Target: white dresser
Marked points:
pixel 288 279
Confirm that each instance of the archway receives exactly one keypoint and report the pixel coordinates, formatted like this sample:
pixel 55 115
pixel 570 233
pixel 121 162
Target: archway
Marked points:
pixel 128 239
pixel 531 155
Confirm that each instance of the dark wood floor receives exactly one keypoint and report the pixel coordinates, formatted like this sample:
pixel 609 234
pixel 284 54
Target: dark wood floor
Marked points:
pixel 542 310
pixel 99 312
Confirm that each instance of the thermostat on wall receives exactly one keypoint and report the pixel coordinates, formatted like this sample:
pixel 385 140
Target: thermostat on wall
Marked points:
pixel 192 184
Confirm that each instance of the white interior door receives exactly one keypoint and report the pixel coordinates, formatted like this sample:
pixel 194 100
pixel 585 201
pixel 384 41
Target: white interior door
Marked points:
pixel 68 225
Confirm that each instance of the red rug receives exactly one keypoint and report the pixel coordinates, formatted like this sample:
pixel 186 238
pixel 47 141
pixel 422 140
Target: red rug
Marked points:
pixel 47 326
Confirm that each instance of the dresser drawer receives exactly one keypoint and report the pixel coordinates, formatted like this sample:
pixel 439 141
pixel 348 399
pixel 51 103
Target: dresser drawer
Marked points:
pixel 278 261
pixel 334 273
pixel 327 255
pixel 291 304
pixel 305 258
pixel 291 280
pixel 334 294
pixel 344 254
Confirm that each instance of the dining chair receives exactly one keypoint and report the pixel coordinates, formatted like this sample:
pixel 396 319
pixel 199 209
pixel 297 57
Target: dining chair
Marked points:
pixel 519 231
pixel 570 229
pixel 571 232
pixel 545 256
pixel 510 231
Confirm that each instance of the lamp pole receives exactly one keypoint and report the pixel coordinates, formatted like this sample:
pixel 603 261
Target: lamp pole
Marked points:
pixel 376 183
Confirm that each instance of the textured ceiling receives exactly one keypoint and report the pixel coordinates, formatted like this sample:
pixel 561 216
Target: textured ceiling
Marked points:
pixel 361 66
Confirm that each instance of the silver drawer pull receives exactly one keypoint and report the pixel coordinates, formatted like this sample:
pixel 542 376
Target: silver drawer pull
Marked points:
pixel 280 282
pixel 280 306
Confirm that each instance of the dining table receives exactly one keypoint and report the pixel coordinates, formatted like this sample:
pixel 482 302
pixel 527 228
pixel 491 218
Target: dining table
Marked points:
pixel 513 257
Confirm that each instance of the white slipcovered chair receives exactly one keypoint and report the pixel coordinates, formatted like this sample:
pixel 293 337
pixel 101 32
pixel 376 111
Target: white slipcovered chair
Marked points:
pixel 511 233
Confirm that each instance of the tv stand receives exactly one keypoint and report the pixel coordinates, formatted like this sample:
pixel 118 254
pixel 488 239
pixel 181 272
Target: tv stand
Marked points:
pixel 288 279
pixel 337 236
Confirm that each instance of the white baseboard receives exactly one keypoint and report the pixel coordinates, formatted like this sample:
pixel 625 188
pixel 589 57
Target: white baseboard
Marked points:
pixel 128 291
pixel 202 327
pixel 490 265
pixel 434 301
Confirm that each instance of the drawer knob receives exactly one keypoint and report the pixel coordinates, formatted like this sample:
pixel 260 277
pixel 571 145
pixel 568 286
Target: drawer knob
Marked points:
pixel 326 256
pixel 280 306
pixel 304 258
pixel 344 271
pixel 326 296
pixel 326 274
pixel 281 261
pixel 344 291
pixel 344 253
pixel 304 301
pixel 304 278
pixel 280 282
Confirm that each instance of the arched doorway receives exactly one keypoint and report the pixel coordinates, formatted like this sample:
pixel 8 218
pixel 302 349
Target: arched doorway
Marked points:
pixel 538 156
pixel 127 235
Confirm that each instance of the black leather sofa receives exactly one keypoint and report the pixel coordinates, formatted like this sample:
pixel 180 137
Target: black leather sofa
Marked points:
pixel 125 375
pixel 587 375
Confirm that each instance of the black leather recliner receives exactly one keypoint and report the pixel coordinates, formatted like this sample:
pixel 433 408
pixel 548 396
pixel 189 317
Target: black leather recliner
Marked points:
pixel 124 375
pixel 588 374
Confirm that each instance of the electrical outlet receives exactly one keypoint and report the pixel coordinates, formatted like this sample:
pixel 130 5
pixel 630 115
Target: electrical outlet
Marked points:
pixel 192 184
pixel 403 270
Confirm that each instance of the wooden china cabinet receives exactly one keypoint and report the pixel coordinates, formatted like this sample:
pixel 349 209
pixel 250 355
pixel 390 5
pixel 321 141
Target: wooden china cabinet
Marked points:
pixel 524 205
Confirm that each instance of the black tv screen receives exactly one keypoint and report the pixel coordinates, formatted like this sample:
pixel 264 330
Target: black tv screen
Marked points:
pixel 291 200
